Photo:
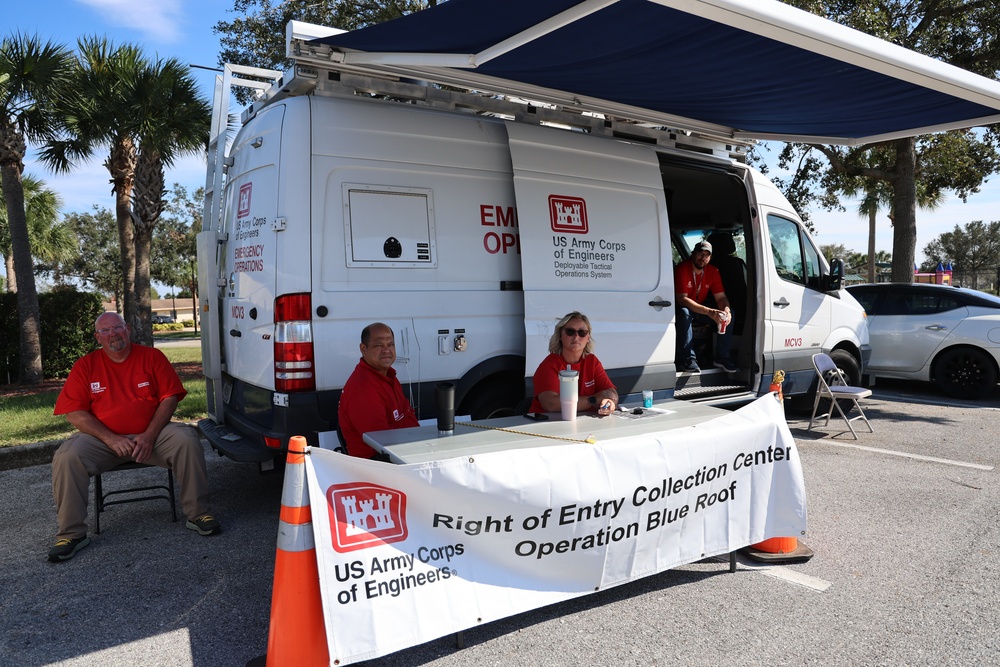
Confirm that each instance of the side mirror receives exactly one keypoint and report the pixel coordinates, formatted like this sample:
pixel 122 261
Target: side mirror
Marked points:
pixel 836 274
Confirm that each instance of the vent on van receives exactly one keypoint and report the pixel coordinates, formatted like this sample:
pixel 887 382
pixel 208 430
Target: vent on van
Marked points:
pixel 294 367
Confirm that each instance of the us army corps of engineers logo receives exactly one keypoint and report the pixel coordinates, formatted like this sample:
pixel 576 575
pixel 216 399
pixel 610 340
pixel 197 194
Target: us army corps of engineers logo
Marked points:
pixel 365 515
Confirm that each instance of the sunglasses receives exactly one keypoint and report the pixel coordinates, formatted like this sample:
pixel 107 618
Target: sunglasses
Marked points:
pixel 582 333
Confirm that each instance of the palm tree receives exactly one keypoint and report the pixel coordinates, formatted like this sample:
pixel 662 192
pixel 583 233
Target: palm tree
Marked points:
pixel 879 194
pixel 176 121
pixel 103 114
pixel 51 241
pixel 32 75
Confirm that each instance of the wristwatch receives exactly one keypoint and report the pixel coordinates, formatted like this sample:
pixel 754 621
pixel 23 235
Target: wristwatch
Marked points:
pixel 592 399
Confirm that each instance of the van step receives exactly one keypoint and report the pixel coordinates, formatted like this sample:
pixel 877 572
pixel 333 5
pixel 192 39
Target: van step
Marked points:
pixel 231 444
pixel 713 390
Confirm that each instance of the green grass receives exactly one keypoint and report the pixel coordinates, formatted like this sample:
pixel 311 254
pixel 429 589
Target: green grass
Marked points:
pixel 29 418
pixel 176 335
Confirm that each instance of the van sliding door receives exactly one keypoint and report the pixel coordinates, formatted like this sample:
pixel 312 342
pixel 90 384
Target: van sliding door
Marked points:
pixel 593 227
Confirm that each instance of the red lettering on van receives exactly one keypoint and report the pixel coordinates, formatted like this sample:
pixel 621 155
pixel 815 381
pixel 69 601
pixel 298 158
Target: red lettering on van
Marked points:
pixel 486 215
pixel 497 216
pixel 502 243
pixel 793 342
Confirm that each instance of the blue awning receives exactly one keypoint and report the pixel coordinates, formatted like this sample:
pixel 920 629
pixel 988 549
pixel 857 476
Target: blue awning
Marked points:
pixel 748 68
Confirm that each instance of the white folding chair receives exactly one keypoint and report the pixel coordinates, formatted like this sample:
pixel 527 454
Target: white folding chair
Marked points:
pixel 833 386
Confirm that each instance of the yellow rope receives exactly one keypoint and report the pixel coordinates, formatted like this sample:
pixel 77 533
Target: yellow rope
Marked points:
pixel 589 440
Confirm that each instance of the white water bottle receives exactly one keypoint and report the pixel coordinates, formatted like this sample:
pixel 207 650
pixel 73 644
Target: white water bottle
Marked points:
pixel 569 393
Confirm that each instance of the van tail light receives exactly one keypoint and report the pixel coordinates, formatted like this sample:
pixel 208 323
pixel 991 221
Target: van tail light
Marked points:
pixel 273 443
pixel 294 365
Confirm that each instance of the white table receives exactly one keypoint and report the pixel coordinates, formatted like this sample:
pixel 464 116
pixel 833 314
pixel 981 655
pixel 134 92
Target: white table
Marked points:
pixel 421 444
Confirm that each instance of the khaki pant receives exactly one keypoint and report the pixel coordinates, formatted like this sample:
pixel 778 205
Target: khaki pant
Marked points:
pixel 82 456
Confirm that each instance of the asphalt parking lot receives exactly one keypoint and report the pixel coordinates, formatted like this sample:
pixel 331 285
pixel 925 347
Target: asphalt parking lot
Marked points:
pixel 904 523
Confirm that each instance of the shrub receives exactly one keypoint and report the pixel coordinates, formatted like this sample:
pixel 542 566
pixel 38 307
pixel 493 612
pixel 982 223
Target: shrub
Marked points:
pixel 68 317
pixel 187 324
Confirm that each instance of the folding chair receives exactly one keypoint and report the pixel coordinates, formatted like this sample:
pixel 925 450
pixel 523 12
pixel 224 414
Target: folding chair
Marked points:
pixel 833 385
pixel 101 496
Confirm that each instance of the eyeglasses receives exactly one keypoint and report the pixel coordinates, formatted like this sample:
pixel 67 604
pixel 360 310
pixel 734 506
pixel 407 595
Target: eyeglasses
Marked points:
pixel 118 328
pixel 582 333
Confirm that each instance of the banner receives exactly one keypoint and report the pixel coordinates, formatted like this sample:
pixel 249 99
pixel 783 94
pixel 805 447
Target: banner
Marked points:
pixel 410 553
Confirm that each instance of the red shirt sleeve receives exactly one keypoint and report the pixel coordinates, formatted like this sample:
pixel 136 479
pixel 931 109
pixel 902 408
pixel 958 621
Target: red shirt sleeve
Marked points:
pixel 75 393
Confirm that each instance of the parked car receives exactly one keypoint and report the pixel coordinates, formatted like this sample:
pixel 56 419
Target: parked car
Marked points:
pixel 944 334
pixel 163 319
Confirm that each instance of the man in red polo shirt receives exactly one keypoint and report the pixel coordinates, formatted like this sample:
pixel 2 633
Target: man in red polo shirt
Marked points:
pixel 372 399
pixel 120 399
pixel 694 280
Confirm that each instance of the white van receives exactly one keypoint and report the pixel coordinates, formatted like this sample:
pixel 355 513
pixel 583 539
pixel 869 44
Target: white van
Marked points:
pixel 470 225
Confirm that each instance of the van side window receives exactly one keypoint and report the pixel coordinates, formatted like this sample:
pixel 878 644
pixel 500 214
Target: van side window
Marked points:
pixel 795 257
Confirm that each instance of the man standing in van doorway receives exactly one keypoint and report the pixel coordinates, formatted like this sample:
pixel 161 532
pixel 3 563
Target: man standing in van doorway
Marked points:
pixel 372 399
pixel 694 280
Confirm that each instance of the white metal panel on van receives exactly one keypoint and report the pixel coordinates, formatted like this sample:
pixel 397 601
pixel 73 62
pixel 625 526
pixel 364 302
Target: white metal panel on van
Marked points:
pixel 593 228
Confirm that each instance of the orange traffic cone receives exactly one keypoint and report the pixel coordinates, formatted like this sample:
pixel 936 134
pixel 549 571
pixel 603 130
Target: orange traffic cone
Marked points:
pixel 779 550
pixel 297 635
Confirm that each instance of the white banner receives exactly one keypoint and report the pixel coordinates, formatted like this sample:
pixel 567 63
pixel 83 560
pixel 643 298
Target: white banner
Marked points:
pixel 409 553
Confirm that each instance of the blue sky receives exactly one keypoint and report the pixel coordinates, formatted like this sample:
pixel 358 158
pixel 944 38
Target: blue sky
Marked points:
pixel 164 28
pixel 183 29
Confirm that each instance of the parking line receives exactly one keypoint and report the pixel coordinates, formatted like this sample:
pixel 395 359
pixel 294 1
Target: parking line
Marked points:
pixel 906 398
pixel 906 455
pixel 783 573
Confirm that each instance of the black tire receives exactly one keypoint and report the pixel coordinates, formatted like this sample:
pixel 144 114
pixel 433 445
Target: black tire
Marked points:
pixel 852 371
pixel 965 372
pixel 494 399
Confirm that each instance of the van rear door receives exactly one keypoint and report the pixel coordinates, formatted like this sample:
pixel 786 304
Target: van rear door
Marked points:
pixel 594 238
pixel 249 255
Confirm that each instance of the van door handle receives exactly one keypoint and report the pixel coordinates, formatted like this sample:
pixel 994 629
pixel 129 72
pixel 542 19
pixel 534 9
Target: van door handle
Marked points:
pixel 936 327
pixel 235 333
pixel 782 303
pixel 659 303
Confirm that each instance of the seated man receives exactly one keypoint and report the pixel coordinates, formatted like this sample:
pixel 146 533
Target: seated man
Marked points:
pixel 694 280
pixel 372 399
pixel 120 399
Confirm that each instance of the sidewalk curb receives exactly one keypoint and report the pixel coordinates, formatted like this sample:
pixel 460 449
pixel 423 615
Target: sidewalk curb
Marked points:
pixel 24 456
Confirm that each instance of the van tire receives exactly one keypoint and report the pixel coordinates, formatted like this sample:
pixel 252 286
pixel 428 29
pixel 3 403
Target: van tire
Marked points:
pixel 492 399
pixel 846 362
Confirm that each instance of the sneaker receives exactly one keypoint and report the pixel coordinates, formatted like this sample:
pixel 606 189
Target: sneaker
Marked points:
pixel 206 525
pixel 690 367
pixel 66 548
pixel 727 365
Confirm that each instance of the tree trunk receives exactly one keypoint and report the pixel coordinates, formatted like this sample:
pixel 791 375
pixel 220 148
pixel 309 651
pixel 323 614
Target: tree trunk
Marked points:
pixel 11 276
pixel 872 216
pixel 28 315
pixel 194 298
pixel 121 165
pixel 148 199
pixel 142 330
pixel 904 209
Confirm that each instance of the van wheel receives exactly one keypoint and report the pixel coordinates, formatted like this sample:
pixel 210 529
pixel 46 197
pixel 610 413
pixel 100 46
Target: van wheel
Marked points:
pixel 846 362
pixel 965 372
pixel 492 400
